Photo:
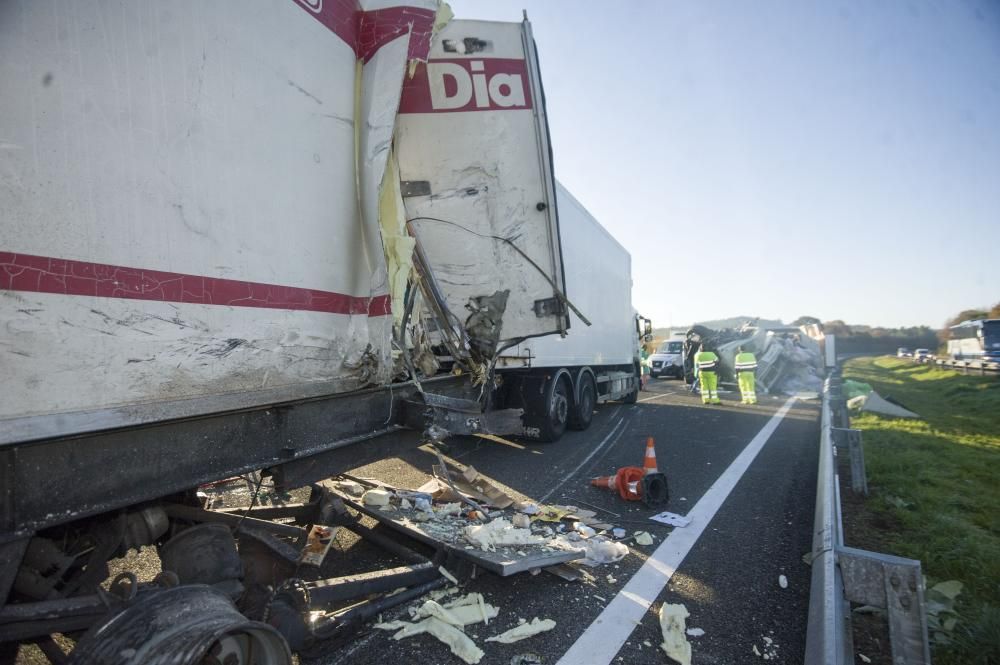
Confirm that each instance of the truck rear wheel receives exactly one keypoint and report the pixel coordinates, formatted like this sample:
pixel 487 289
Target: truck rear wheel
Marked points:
pixel 583 409
pixel 555 412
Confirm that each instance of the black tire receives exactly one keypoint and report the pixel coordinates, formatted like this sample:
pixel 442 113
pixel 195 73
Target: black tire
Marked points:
pixel 556 409
pixel 583 409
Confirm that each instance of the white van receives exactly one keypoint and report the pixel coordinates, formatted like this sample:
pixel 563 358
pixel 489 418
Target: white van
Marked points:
pixel 668 360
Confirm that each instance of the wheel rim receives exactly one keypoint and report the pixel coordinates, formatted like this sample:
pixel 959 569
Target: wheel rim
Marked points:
pixel 560 405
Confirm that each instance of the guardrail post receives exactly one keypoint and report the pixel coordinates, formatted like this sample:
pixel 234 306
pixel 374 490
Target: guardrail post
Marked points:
pixel 896 585
pixel 845 437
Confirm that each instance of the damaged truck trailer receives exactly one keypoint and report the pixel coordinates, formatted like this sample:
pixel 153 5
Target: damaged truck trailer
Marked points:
pixel 252 241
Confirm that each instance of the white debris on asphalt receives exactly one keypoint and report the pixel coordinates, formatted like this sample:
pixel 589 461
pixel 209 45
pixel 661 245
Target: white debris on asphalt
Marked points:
pixel 864 658
pixel 461 612
pixel 376 497
pixel 448 576
pixel 499 532
pixel 351 487
pixel 523 631
pixel 611 579
pixel 695 632
pixel 782 581
pixel 597 550
pixel 521 521
pixel 675 645
pixel 459 643
pixel 643 538
pixel 673 519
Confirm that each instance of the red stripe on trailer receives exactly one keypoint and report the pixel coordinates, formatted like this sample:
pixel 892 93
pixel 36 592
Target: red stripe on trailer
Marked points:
pixel 367 32
pixel 44 274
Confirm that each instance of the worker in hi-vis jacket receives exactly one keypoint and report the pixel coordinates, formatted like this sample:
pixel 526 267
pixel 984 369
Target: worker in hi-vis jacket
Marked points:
pixel 708 365
pixel 746 365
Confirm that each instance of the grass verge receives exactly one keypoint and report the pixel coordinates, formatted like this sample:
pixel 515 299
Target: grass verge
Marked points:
pixel 935 491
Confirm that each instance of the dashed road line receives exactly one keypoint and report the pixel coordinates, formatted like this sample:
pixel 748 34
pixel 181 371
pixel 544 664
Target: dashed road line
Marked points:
pixel 617 428
pixel 601 641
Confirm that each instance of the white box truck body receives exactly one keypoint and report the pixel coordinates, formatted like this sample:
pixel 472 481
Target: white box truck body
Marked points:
pixel 221 229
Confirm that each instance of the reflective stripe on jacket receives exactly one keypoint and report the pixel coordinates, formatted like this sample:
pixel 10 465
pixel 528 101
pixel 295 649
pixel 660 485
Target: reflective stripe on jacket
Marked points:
pixel 706 360
pixel 745 362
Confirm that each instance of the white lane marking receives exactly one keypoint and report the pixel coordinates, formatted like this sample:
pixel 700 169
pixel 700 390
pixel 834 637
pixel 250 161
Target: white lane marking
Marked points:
pixel 586 459
pixel 646 399
pixel 601 641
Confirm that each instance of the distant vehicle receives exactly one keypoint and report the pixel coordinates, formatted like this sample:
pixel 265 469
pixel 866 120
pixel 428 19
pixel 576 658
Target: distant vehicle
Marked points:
pixel 975 340
pixel 668 359
pixel 903 352
pixel 920 354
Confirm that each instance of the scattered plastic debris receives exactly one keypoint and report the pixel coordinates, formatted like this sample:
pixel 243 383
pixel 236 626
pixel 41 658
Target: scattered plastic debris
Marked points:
pixel 499 532
pixel 864 658
pixel 317 545
pixel 782 581
pixel 523 631
pixel 611 579
pixel 675 645
pixel 695 632
pixel 351 487
pixel 618 533
pixel 376 497
pixel 521 521
pixel 673 519
pixel 459 643
pixel 875 403
pixel 599 550
pixel 448 576
pixel 526 659
pixel 643 538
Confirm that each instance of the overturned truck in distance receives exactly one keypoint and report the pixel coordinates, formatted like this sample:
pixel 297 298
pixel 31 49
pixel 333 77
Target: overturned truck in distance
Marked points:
pixel 257 242
pixel 789 359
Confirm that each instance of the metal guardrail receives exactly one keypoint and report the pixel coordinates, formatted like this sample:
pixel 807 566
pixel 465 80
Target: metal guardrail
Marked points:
pixel 843 575
pixel 981 367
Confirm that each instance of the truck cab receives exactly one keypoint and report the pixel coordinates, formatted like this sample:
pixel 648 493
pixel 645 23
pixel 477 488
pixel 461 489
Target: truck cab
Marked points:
pixel 668 360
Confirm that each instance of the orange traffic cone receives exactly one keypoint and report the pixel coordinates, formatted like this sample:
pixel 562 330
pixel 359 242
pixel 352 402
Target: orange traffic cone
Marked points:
pixel 649 462
pixel 627 481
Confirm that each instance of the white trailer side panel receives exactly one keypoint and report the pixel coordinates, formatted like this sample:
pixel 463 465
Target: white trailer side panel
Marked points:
pixel 599 283
pixel 179 204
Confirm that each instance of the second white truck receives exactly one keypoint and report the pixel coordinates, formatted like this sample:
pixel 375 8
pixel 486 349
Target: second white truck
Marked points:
pixel 559 380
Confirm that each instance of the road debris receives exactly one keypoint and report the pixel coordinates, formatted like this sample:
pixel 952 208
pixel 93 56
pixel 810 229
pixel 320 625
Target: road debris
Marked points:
pixel 460 644
pixel 675 645
pixel 770 651
pixel 526 659
pixel 864 658
pixel 643 538
pixel 782 581
pixel 695 632
pixel 673 519
pixel 523 631
pixel 448 576
pixel 317 545
pixel 376 497
pixel 499 532
pixel 468 609
pixel 875 403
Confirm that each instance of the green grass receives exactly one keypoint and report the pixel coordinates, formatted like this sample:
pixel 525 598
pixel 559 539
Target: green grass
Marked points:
pixel 937 482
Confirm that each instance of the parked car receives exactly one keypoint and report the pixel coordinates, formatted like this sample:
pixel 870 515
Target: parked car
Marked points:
pixel 668 359
pixel 903 352
pixel 920 354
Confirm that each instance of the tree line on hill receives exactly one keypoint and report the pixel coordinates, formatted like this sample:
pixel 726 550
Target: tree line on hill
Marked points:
pixel 876 339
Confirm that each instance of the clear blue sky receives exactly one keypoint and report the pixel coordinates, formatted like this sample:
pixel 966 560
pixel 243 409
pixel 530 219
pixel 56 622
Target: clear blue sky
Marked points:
pixel 775 159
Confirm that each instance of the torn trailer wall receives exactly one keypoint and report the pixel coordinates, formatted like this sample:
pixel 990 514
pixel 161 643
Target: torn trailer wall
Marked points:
pixel 190 202
pixel 788 360
pixel 477 184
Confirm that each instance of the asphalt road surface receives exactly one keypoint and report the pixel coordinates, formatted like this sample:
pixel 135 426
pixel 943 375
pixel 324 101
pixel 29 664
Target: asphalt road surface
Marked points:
pixel 746 475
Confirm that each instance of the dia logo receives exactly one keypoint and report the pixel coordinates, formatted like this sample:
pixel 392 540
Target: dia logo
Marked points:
pixel 492 84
